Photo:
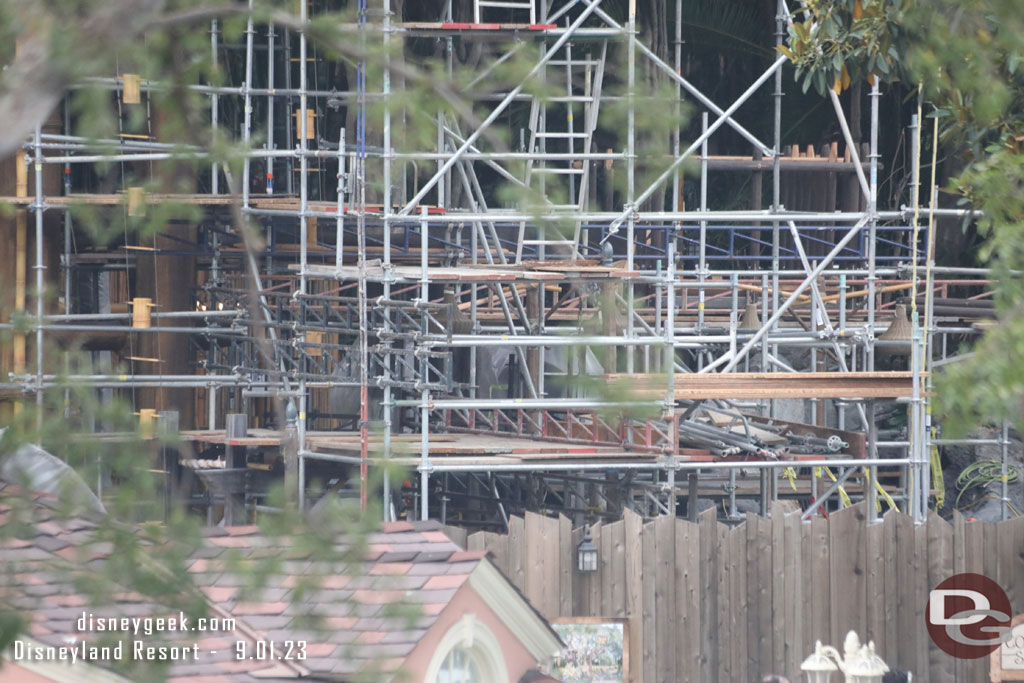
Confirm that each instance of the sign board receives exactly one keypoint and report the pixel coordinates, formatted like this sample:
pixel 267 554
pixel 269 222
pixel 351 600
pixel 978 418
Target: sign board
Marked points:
pixel 596 650
pixel 1007 662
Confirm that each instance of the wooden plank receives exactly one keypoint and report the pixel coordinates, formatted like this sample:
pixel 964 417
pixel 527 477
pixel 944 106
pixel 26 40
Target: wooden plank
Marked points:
pixel 517 552
pixel 737 542
pixel 756 385
pixel 846 567
pixel 665 597
pixel 941 667
pixel 688 600
pixel 567 566
pixel 537 555
pixel 593 581
pixel 918 587
pixel 816 552
pixel 497 546
pixel 959 540
pixel 1010 544
pixel 890 644
pixel 777 572
pixel 975 561
pixel 1008 547
pixel 960 666
pixel 616 578
pixel 605 559
pixel 726 605
pixel 552 575
pixel 580 587
pixel 634 592
pixel 874 582
pixel 907 572
pixel 458 536
pixel 759 586
pixel 650 602
pixel 793 596
pixel 709 612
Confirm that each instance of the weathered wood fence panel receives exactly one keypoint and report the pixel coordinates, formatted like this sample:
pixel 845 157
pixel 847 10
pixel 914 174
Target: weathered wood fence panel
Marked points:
pixel 708 603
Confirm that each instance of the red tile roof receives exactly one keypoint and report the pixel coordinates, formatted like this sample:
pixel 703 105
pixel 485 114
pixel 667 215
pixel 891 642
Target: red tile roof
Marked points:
pixel 371 615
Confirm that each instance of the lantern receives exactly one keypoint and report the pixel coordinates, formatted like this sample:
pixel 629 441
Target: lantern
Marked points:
pixel 818 666
pixel 586 554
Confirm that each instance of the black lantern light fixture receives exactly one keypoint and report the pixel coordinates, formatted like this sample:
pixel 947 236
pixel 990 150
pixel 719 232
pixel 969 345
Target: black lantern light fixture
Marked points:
pixel 586 553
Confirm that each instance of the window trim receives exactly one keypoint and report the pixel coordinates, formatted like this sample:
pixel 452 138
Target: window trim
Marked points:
pixel 473 636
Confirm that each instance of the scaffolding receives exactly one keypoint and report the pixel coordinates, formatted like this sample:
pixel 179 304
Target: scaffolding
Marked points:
pixel 735 349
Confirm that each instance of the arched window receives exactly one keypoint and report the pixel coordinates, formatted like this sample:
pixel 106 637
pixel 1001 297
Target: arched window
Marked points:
pixel 468 653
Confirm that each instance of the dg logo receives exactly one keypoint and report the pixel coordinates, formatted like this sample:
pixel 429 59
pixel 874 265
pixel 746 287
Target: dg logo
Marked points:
pixel 968 616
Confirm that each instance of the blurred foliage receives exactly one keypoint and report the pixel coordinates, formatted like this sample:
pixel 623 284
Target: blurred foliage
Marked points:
pixel 835 42
pixel 967 56
pixel 70 57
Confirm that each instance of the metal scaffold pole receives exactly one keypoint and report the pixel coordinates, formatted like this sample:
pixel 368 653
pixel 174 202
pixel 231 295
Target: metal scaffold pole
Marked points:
pixel 386 218
pixel 722 344
pixel 364 333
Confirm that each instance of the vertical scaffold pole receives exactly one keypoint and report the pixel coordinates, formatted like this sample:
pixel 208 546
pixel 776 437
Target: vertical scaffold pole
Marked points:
pixel 40 269
pixel 631 177
pixel 214 105
pixel 364 360
pixel 424 376
pixel 386 211
pixel 780 23
pixel 303 201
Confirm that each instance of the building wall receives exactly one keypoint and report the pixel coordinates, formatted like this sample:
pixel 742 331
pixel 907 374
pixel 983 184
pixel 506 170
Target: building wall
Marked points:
pixel 518 659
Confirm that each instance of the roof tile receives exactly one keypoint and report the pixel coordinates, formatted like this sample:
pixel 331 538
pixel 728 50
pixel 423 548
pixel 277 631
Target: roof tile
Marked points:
pixel 376 550
pixel 259 608
pixel 429 569
pixel 371 637
pixel 429 595
pixel 467 556
pixel 230 541
pixel 372 597
pixel 396 637
pixel 433 556
pixel 219 594
pixel 340 623
pixel 392 539
pixel 410 566
pixel 384 568
pixel 266 623
pixel 446 581
pixel 334 582
pixel 320 649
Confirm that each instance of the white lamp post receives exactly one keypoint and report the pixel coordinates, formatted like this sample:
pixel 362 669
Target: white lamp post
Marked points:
pixel 859 663
pixel 818 666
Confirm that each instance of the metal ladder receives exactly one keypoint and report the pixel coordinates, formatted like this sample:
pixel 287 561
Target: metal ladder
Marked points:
pixel 479 5
pixel 575 174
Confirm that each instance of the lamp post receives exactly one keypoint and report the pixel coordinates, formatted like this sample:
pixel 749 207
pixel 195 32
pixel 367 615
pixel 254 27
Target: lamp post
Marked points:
pixel 586 553
pixel 818 666
pixel 859 663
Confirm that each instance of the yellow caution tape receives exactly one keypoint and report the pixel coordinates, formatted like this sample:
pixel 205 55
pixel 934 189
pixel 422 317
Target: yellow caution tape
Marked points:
pixel 842 492
pixel 790 474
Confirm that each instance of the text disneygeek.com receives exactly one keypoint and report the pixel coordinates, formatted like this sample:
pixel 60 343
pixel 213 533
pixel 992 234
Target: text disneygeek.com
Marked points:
pixel 131 647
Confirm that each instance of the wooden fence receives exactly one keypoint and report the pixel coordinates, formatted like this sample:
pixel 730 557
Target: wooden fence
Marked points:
pixel 712 603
